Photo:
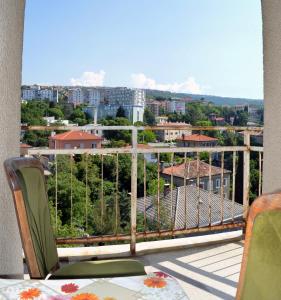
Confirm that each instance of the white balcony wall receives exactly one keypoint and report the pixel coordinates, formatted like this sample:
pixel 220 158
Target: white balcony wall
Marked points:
pixel 271 10
pixel 11 38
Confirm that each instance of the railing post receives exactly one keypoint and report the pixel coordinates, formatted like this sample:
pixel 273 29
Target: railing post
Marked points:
pixel 134 181
pixel 246 174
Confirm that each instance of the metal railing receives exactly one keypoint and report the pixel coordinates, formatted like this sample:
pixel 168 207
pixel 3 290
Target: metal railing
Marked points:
pixel 177 211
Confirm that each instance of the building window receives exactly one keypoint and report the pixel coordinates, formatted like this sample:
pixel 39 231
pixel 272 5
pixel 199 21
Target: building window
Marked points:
pixel 218 183
pixel 94 145
pixel 225 182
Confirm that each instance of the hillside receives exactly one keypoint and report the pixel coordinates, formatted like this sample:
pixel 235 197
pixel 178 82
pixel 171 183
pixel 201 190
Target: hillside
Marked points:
pixel 217 100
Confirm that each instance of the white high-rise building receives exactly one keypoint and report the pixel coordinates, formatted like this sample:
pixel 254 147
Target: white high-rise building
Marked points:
pixel 77 96
pixel 38 92
pixel 177 106
pixel 131 100
pixel 46 94
pixel 105 101
pixel 94 96
pixel 29 93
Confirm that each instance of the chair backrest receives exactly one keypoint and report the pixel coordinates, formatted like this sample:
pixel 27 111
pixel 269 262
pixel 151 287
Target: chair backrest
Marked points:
pixel 261 265
pixel 26 180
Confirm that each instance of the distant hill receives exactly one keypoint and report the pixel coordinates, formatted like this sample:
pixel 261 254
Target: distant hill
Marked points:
pixel 217 100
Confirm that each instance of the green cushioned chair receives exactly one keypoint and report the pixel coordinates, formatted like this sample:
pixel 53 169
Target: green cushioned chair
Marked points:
pixel 26 180
pixel 260 276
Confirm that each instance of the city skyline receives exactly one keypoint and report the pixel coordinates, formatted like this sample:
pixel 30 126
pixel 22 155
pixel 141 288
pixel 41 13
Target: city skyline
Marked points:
pixel 183 46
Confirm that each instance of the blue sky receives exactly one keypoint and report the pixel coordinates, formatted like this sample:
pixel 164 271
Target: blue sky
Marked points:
pixel 198 46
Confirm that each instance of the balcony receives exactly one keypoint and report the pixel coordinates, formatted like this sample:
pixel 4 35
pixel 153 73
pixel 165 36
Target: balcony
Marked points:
pixel 186 225
pixel 214 282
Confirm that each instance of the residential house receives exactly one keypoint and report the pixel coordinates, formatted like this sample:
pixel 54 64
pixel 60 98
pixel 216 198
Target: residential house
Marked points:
pixel 180 205
pixel 189 172
pixel 196 140
pixel 75 139
pixel 161 119
pixel 218 121
pixel 170 131
pixel 149 157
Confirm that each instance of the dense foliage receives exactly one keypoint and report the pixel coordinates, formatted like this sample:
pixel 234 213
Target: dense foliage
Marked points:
pixel 88 203
pixel 33 112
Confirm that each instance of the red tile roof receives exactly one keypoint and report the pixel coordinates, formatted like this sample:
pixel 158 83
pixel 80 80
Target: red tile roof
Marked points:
pixel 23 145
pixel 75 136
pixel 190 170
pixel 196 138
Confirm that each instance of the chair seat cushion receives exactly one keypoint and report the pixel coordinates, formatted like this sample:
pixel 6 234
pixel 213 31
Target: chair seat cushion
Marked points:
pixel 99 269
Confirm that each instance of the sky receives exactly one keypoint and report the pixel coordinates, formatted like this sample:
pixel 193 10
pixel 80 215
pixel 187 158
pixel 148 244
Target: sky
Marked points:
pixel 209 47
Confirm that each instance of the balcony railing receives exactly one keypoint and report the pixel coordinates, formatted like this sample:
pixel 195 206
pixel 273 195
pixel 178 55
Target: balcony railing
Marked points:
pixel 145 211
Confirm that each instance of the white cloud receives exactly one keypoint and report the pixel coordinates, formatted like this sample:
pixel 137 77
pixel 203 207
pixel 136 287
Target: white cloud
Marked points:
pixel 89 79
pixel 189 86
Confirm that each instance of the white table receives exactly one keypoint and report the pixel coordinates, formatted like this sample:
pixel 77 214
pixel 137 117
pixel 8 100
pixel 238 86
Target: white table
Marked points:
pixel 153 286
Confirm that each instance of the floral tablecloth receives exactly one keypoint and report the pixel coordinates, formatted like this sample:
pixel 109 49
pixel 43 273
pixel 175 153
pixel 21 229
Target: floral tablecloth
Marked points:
pixel 153 286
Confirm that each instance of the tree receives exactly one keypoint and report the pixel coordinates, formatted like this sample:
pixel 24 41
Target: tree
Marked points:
pixel 120 112
pixel 204 123
pixel 148 117
pixel 33 112
pixel 241 118
pixel 78 116
pixel 36 138
pixel 117 135
pixel 146 136
pixel 56 112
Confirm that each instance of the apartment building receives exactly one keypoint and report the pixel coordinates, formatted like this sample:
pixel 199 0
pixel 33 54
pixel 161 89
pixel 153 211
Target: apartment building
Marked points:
pixel 77 96
pixel 254 112
pixel 83 95
pixel 132 101
pixel 29 93
pixel 153 106
pixel 39 92
pixel 94 96
pixel 105 101
pixel 176 106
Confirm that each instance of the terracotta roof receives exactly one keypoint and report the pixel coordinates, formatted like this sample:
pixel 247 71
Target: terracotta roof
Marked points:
pixel 75 136
pixel 191 170
pixel 23 145
pixel 196 138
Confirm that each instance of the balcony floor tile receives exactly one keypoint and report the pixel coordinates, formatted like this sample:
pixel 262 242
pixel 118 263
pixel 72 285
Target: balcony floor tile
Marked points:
pixel 210 272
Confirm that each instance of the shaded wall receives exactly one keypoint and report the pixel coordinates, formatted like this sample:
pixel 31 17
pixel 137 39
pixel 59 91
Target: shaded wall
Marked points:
pixel 271 12
pixel 11 36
